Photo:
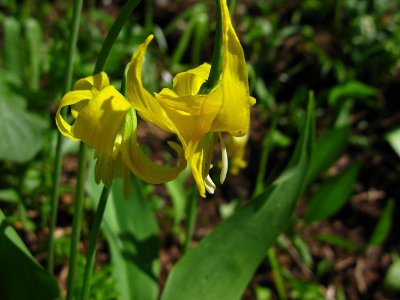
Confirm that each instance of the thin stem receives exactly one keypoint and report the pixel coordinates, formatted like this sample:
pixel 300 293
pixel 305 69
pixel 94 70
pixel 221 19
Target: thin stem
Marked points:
pixel 148 17
pixel 94 233
pixel 112 35
pixel 77 221
pixel 267 145
pixel 183 43
pixel 76 16
pixel 216 61
pixel 280 286
pixel 191 218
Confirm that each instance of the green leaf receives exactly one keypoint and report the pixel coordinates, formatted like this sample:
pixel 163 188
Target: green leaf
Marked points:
pixel 9 195
pixel 21 277
pixel 391 282
pixel 393 138
pixel 22 132
pixel 222 264
pixel 33 35
pixel 133 237
pixel 384 225
pixel 337 241
pixel 12 47
pixel 332 195
pixel 327 149
pixel 350 90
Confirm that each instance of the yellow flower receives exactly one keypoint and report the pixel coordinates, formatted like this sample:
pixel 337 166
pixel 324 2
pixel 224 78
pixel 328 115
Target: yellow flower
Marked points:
pixel 198 119
pixel 236 152
pixel 106 121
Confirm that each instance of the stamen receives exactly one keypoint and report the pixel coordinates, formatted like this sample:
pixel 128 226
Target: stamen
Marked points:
pixel 209 185
pixel 224 154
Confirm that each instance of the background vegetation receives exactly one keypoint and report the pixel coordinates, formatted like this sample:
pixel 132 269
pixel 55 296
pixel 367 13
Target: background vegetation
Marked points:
pixel 342 243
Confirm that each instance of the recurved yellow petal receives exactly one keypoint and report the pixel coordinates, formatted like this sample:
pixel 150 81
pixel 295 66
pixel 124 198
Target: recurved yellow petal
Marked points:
pixel 143 101
pixel 97 82
pixel 180 110
pixel 69 99
pixel 189 82
pixel 139 163
pixel 99 121
pixel 235 111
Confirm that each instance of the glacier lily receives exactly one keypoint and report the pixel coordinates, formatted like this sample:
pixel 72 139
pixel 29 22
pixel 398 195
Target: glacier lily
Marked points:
pixel 106 121
pixel 198 119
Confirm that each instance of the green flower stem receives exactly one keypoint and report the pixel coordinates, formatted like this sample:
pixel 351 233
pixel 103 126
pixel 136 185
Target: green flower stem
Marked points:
pixel 216 61
pixel 94 233
pixel 191 217
pixel 183 43
pixel 267 145
pixel 280 286
pixel 112 35
pixel 109 41
pixel 77 221
pixel 77 8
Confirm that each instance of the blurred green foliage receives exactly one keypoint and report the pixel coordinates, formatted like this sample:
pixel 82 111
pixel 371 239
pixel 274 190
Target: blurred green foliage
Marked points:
pixel 347 52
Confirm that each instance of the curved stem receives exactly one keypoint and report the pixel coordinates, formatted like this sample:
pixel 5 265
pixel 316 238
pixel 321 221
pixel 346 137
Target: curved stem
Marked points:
pixel 94 233
pixel 76 16
pixel 112 35
pixel 216 61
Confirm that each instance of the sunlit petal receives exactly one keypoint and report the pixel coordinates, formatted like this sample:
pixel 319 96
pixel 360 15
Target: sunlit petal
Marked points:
pixel 70 98
pixel 189 82
pixel 99 121
pixel 235 111
pixel 98 82
pixel 140 164
pixel 144 102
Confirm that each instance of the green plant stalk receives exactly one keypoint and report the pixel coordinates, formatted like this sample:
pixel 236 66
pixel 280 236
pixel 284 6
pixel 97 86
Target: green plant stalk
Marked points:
pixel 216 61
pixel 77 221
pixel 273 260
pixel 112 35
pixel 76 16
pixel 267 145
pixel 183 42
pixel 148 17
pixel 191 218
pixel 101 60
pixel 94 233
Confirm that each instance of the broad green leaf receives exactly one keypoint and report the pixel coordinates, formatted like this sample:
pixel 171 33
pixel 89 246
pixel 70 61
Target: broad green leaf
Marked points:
pixel 222 264
pixel 350 90
pixel 21 277
pixel 332 195
pixel 12 47
pixel 393 138
pixel 33 36
pixel 384 225
pixel 133 237
pixel 22 132
pixel 327 149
